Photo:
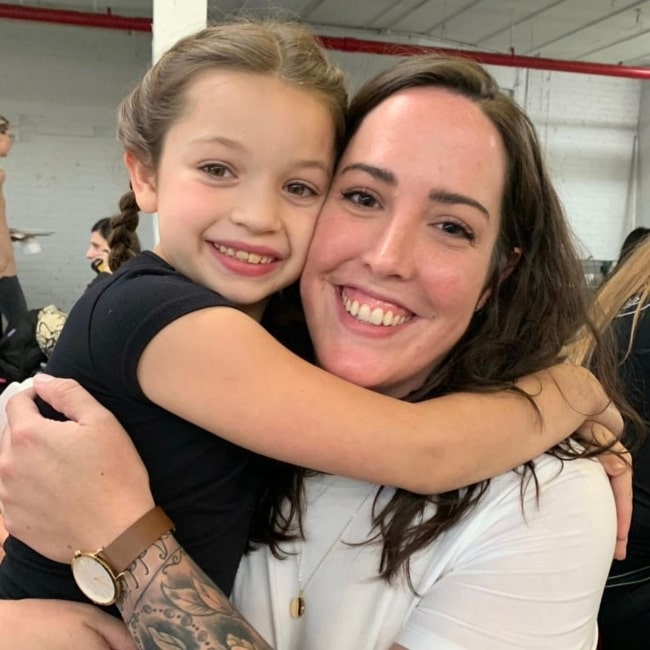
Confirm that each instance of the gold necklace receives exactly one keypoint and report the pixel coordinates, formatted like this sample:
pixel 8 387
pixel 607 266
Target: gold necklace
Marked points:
pixel 297 604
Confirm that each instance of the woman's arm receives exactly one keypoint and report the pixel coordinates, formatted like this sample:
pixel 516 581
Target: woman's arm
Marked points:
pixel 108 473
pixel 247 388
pixel 166 579
pixel 571 529
pixel 57 625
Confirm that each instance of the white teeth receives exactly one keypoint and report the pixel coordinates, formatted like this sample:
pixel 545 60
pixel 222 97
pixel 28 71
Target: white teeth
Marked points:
pixel 376 316
pixel 251 258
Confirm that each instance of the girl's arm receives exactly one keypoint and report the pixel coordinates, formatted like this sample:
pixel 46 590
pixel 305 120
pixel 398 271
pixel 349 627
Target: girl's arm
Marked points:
pixel 245 387
pixel 3 537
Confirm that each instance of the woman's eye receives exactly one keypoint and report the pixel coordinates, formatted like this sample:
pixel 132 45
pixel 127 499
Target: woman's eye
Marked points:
pixel 220 171
pixel 456 229
pixel 300 189
pixel 362 199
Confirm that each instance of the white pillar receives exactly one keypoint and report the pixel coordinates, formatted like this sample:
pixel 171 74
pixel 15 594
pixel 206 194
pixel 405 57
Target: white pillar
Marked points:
pixel 173 19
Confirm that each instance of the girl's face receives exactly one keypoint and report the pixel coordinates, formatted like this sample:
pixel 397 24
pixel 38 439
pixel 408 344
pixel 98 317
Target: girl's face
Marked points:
pixel 241 179
pixel 402 251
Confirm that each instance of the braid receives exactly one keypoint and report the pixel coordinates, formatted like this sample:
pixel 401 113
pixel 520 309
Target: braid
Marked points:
pixel 122 239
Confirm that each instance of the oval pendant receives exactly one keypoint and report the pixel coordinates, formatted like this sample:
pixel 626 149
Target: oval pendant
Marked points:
pixel 297 607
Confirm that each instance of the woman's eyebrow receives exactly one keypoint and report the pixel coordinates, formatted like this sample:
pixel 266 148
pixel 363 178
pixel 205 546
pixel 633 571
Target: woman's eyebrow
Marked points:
pixel 379 173
pixel 453 198
pixel 437 195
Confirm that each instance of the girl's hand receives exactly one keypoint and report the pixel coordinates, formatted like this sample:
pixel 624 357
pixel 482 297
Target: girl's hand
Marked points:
pixel 618 465
pixel 58 625
pixel 597 420
pixel 68 485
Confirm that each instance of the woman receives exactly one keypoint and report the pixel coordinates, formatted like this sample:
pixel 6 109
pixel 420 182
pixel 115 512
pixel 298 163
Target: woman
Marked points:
pixel 623 306
pixel 449 219
pixel 12 299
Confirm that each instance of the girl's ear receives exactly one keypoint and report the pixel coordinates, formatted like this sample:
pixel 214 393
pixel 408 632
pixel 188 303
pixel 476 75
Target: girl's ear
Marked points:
pixel 143 183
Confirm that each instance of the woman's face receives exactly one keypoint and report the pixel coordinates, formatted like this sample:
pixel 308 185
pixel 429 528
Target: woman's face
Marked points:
pixel 6 142
pixel 402 250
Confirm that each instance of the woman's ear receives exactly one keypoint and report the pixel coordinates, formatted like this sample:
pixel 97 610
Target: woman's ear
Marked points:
pixel 143 183
pixel 511 264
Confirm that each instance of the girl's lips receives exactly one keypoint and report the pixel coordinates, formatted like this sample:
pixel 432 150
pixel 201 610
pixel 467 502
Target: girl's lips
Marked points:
pixel 244 255
pixel 243 262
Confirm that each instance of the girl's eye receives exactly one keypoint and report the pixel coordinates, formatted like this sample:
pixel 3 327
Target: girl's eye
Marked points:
pixel 300 189
pixel 362 199
pixel 456 229
pixel 215 169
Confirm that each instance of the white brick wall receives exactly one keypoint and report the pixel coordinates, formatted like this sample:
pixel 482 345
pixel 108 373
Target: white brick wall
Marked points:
pixel 60 85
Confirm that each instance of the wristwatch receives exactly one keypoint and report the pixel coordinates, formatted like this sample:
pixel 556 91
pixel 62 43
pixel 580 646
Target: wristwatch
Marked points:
pixel 99 574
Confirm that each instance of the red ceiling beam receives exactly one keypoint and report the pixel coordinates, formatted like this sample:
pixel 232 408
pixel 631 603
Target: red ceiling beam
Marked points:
pixel 80 18
pixel 344 44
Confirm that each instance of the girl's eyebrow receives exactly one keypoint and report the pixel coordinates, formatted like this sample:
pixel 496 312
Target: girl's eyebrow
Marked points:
pixel 227 142
pixel 238 146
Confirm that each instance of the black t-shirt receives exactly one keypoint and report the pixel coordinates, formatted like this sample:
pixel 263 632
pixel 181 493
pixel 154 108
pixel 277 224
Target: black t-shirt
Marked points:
pixel 207 485
pixel 635 374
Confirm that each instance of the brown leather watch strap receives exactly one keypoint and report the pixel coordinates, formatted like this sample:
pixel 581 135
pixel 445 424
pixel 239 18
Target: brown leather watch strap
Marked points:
pixel 137 538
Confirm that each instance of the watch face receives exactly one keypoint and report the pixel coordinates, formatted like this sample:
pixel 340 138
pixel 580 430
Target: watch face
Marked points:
pixel 94 578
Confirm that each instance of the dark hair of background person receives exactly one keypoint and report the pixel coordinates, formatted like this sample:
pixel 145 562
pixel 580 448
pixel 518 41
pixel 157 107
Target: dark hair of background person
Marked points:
pixel 633 238
pixel 103 227
pixel 522 329
pixel 4 124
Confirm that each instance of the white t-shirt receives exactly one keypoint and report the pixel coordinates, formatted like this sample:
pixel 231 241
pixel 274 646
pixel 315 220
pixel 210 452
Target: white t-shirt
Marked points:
pixel 502 578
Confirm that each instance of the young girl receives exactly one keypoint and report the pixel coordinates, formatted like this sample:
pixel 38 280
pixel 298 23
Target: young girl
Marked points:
pixel 232 138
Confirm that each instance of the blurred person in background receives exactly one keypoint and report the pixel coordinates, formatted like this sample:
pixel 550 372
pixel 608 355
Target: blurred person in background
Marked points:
pixel 622 309
pixel 12 299
pixel 633 238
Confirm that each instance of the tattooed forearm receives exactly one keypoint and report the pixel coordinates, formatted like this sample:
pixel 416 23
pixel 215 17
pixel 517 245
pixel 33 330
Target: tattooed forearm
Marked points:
pixel 169 603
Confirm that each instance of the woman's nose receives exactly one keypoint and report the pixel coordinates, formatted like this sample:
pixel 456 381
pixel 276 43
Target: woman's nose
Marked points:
pixel 391 250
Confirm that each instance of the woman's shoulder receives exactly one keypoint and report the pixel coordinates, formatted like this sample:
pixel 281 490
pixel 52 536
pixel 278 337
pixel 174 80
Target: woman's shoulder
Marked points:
pixel 551 483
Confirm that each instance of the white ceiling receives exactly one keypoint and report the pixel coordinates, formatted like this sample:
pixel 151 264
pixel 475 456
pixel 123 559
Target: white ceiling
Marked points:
pixel 600 31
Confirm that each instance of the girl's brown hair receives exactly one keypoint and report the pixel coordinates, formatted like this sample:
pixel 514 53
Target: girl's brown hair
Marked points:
pixel 286 50
pixel 4 124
